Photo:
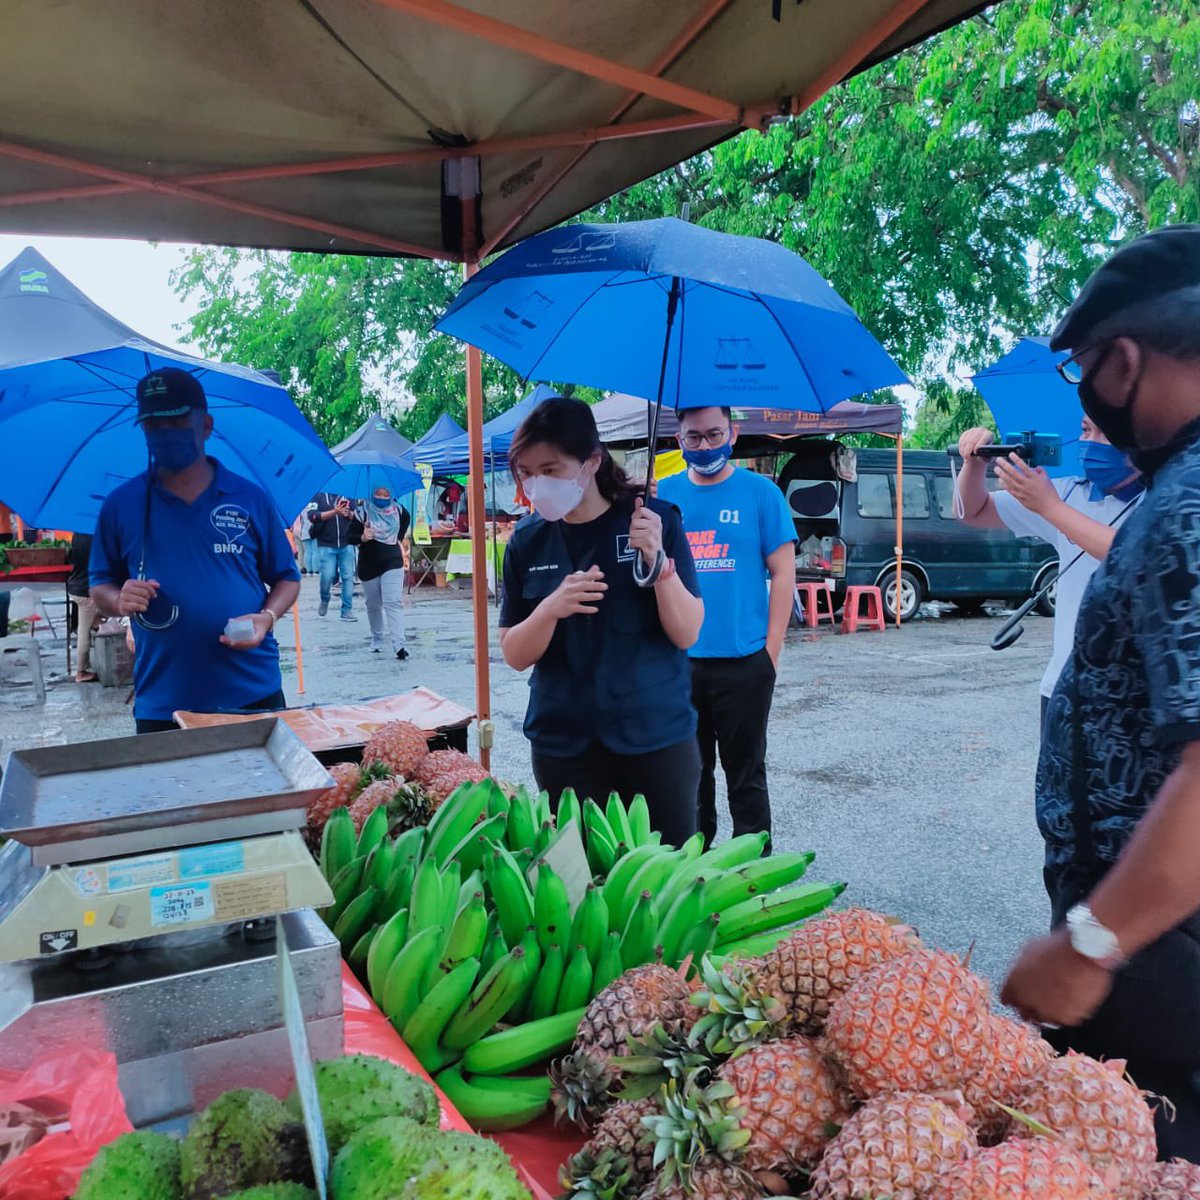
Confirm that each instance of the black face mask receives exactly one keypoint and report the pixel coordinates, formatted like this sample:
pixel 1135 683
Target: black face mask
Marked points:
pixel 1115 423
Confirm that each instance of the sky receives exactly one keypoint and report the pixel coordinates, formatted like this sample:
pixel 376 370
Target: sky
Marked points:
pixel 129 279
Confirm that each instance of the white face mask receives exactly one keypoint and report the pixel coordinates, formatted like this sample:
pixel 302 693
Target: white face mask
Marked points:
pixel 553 498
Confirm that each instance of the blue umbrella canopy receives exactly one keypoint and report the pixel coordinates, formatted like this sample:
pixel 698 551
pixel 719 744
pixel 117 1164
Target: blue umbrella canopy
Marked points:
pixel 362 471
pixel 1027 394
pixel 671 310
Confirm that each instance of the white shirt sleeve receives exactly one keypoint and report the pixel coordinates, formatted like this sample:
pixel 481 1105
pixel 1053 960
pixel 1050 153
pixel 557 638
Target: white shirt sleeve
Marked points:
pixel 1023 522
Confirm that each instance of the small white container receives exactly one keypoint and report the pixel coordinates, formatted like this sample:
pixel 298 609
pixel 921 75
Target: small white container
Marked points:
pixel 240 630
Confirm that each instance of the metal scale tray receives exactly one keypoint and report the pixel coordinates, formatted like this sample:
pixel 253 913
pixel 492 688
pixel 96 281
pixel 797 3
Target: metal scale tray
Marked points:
pixel 93 800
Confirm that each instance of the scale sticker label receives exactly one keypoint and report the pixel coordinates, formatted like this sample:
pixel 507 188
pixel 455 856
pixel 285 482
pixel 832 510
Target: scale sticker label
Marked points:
pixel 224 858
pixel 132 873
pixel 55 941
pixel 258 896
pixel 181 905
pixel 87 880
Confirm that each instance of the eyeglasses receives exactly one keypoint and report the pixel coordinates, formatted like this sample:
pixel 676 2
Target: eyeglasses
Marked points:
pixel 1071 369
pixel 712 437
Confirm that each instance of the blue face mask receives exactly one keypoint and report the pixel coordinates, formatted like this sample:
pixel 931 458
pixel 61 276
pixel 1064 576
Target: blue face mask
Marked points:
pixel 173 450
pixel 1108 469
pixel 708 460
pixel 385 503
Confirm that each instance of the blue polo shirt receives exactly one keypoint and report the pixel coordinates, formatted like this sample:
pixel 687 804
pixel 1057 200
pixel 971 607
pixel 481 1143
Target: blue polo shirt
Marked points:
pixel 216 558
pixel 732 528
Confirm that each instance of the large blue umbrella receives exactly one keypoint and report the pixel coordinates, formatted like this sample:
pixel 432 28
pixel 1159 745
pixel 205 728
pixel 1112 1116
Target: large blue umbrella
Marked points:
pixel 1027 395
pixel 362 471
pixel 672 311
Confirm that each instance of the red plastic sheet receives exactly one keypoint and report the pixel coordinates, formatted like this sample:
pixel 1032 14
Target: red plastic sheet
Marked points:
pixel 536 1151
pixel 81 1082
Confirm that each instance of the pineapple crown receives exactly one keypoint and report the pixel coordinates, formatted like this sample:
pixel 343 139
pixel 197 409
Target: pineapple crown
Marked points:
pixel 582 1088
pixel 658 1056
pixel 694 1122
pixel 604 1176
pixel 373 772
pixel 735 1013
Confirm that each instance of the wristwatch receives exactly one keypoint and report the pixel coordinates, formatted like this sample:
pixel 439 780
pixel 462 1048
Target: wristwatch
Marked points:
pixel 1093 940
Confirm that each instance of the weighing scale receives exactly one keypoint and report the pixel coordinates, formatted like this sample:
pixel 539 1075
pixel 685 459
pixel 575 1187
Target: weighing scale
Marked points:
pixel 138 895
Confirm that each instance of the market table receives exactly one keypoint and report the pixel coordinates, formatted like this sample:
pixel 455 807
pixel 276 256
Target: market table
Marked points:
pixel 20 575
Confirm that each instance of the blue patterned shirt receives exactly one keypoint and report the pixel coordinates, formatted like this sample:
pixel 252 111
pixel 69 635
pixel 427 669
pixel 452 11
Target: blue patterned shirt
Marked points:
pixel 1134 678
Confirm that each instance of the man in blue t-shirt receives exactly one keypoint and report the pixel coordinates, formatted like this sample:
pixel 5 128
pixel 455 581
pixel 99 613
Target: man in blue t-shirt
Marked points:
pixel 741 535
pixel 180 550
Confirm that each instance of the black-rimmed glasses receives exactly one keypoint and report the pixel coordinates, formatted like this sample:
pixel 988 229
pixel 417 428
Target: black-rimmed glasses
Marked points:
pixel 1071 369
pixel 713 438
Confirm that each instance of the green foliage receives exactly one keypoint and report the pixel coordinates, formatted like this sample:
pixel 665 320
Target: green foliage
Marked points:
pixel 956 196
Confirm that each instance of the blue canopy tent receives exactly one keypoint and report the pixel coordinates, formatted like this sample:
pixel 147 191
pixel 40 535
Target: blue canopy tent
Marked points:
pixel 1027 394
pixel 498 434
pixel 375 433
pixel 438 446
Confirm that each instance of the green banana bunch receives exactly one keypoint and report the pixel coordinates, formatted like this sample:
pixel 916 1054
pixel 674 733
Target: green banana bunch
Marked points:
pixel 755 879
pixel 490 1109
pixel 402 980
pixel 784 907
pixel 523 1045
pixel 424 1029
pixel 470 852
pixel 479 1009
pixel 339 845
pixel 453 822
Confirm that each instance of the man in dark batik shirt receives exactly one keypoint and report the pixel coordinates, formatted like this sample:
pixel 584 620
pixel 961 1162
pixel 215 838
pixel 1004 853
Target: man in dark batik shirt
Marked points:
pixel 1118 787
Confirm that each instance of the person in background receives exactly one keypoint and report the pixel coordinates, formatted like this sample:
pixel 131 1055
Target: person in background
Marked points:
pixel 1071 514
pixel 743 544
pixel 1118 786
pixel 452 513
pixel 300 539
pixel 381 569
pixel 87 615
pixel 610 697
pixel 337 531
pixel 182 549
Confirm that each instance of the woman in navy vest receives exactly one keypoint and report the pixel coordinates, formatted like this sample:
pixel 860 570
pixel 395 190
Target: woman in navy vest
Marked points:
pixel 610 700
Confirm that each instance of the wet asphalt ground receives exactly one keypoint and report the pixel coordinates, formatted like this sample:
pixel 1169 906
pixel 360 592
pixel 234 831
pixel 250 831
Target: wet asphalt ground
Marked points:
pixel 904 759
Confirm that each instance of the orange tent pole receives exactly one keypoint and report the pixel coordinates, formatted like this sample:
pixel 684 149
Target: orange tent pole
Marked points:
pixel 899 519
pixel 299 648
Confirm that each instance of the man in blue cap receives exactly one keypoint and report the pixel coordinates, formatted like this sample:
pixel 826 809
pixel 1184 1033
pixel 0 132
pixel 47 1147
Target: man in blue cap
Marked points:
pixel 1118 786
pixel 182 549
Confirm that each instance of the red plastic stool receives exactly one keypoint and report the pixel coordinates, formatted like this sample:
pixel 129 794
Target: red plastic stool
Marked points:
pixel 852 614
pixel 813 613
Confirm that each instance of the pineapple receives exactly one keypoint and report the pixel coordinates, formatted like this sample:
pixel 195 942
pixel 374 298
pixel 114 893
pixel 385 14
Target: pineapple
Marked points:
pixel 400 746
pixel 895 1147
pixel 1174 1180
pixel 770 1109
pixel 346 782
pixel 915 1024
pixel 1033 1169
pixel 1016 1054
pixel 618 1159
pixel 628 1008
pixel 1094 1109
pixel 380 791
pixel 444 770
pixel 411 805
pixel 712 1179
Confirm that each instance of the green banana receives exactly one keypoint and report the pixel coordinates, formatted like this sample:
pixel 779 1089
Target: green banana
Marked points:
pixel 531 1087
pixel 609 967
pixel 544 996
pixel 490 1001
pixel 356 960
pixel 355 918
pixel 470 885
pixel 401 992
pixel 510 895
pixel 618 820
pixel 617 883
pixel 398 891
pixel 389 941
pixel 467 935
pixel 409 846
pixel 423 1030
pixel 576 987
pixel 595 822
pixel 651 878
pixel 494 948
pixel 590 926
pixel 689 853
pixel 522 828
pixel 569 810
pixel 532 964
pixel 378 872
pixel 541 809
pixel 545 835
pixel 639 820
pixel 374 830
pixel 452 878
pixel 736 852
pixel 486 1109
pixel 345 886
pixel 641 933
pixel 784 907
pixel 426 908
pixel 498 803
pixel 468 806
pixel 469 853
pixel 685 914
pixel 523 1045
pixel 551 908
pixel 755 879
pixel 339 844
pixel 601 851
pixel 700 940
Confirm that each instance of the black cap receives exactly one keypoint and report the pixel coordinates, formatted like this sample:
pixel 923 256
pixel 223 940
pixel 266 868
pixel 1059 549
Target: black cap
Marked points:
pixel 1150 267
pixel 169 392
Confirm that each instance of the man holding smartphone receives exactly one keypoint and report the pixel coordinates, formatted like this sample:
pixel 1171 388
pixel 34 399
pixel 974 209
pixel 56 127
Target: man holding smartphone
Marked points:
pixel 336 531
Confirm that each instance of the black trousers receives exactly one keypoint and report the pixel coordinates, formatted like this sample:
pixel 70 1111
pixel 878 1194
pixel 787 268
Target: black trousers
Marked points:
pixel 667 778
pixel 732 697
pixel 268 704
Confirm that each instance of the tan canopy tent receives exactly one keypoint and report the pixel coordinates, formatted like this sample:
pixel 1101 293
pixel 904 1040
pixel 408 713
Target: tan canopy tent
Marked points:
pixel 421 127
